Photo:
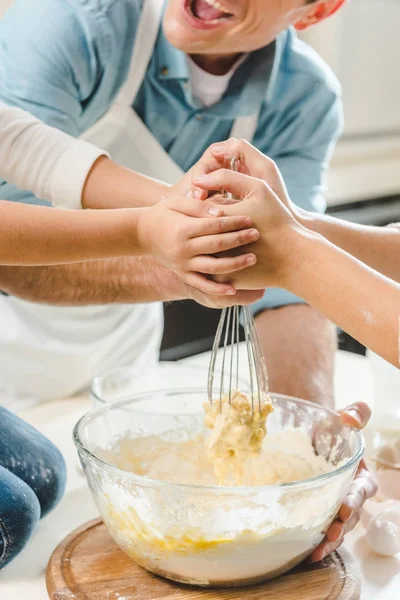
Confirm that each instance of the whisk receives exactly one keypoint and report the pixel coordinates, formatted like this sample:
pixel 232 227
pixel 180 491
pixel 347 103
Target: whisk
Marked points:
pixel 227 336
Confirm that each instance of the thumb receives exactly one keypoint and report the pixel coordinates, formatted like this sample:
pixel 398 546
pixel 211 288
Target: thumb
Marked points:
pixel 356 415
pixel 237 184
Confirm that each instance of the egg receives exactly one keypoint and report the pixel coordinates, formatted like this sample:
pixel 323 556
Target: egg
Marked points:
pixel 383 531
pixel 372 507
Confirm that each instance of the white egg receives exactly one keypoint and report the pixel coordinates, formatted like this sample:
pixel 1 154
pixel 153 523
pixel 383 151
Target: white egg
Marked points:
pixel 372 507
pixel 383 531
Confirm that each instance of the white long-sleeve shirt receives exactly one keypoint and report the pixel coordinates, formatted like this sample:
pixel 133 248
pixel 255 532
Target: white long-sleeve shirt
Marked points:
pixel 42 159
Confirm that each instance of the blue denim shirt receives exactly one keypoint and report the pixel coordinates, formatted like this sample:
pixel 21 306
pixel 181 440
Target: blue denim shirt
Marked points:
pixel 65 61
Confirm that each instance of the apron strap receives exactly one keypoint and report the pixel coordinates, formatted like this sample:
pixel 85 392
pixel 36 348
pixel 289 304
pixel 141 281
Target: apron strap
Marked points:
pixel 244 128
pixel 143 47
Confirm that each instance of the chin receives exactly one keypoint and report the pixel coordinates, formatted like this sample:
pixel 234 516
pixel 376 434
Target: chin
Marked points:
pixel 177 34
pixel 180 35
pixel 191 35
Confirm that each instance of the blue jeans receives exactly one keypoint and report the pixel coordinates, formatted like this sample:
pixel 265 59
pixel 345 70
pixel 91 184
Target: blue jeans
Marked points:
pixel 32 481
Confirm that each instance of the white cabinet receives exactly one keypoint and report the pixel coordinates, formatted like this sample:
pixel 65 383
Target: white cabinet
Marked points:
pixel 362 45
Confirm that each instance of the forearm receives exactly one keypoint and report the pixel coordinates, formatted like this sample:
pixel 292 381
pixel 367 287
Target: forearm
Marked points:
pixel 299 347
pixel 123 281
pixel 44 160
pixel 35 235
pixel 377 247
pixel 109 185
pixel 358 299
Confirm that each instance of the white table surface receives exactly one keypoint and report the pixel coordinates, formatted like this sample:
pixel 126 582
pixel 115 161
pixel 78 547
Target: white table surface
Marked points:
pixel 24 578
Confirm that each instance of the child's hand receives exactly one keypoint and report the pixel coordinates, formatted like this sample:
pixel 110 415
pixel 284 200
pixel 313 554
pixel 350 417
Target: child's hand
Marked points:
pixel 206 164
pixel 279 232
pixel 250 162
pixel 185 233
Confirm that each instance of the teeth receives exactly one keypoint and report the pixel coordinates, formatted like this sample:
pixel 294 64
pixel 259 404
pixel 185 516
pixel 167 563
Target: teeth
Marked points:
pixel 214 4
pixel 217 5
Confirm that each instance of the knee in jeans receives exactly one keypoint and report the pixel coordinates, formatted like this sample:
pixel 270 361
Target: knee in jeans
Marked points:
pixel 49 483
pixel 33 458
pixel 19 515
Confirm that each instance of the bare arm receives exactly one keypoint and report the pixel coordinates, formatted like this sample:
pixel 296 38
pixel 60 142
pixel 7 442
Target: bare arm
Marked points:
pixel 38 235
pixel 361 301
pixel 122 280
pixel 357 298
pixel 109 185
pixel 57 167
pixel 377 247
pixel 299 347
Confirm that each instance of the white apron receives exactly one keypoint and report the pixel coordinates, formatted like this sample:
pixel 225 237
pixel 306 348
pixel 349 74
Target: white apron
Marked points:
pixel 49 352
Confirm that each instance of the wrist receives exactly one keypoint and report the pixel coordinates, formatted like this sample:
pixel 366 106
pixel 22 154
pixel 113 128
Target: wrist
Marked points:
pixel 169 286
pixel 298 254
pixel 302 261
pixel 307 219
pixel 143 229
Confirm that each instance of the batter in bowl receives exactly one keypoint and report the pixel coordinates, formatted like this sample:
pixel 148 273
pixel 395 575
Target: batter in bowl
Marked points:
pixel 237 433
pixel 236 452
pixel 207 538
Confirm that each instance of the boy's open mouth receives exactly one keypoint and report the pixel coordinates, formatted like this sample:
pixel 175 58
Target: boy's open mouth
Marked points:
pixel 208 11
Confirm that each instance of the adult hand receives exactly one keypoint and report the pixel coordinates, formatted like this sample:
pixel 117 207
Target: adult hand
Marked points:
pixel 364 486
pixel 241 298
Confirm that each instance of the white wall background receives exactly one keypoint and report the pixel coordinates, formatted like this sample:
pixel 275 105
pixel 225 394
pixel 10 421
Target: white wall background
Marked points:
pixel 361 43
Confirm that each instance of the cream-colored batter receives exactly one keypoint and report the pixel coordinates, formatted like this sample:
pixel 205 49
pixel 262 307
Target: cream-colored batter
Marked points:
pixel 237 432
pixel 210 538
pixel 284 457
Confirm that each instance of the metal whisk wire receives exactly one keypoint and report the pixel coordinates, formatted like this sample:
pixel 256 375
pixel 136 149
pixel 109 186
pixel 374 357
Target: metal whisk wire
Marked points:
pixel 229 329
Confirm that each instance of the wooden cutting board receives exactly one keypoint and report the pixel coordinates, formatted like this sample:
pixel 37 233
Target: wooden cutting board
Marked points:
pixel 88 565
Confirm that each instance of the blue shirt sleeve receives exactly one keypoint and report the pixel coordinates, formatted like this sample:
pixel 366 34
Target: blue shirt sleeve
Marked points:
pixel 311 121
pixel 51 55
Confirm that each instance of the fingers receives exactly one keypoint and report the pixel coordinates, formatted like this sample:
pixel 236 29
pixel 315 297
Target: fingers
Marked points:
pixel 229 181
pixel 246 297
pixel 193 207
pixel 252 161
pixel 356 415
pixel 208 286
pixel 200 287
pixel 207 164
pixel 338 530
pixel 214 244
pixel 364 486
pixel 205 227
pixel 334 538
pixel 221 266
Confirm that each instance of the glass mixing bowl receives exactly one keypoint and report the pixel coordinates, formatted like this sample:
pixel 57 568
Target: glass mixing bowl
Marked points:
pixel 125 382
pixel 212 535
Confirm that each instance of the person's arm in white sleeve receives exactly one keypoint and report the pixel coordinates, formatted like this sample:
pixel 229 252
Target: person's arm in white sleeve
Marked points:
pixel 48 162
pixel 68 172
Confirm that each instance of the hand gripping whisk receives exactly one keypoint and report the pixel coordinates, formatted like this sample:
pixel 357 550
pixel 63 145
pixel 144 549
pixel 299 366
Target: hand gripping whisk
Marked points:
pixel 227 336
